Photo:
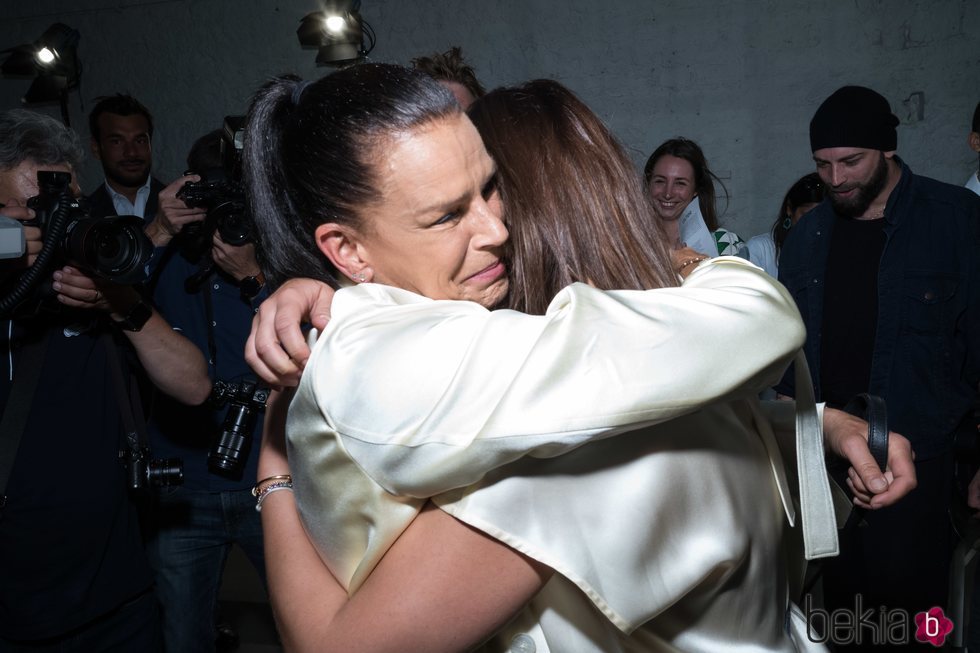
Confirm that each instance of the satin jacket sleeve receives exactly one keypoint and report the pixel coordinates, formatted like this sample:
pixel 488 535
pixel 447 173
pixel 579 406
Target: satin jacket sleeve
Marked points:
pixel 427 396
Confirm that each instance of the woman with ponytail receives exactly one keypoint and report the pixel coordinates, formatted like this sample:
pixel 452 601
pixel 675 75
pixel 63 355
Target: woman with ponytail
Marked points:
pixel 456 480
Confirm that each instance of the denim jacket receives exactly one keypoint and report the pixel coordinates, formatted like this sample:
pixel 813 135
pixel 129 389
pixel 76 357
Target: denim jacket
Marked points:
pixel 927 344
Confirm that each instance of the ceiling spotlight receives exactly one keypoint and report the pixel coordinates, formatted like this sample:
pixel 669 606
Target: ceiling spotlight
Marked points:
pixel 45 56
pixel 338 33
pixel 335 24
pixel 52 60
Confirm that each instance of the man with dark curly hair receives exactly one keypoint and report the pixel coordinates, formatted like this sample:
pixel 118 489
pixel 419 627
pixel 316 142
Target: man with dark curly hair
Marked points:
pixel 451 70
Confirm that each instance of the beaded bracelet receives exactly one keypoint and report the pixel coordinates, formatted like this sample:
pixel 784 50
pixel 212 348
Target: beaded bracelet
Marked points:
pixel 691 261
pixel 274 487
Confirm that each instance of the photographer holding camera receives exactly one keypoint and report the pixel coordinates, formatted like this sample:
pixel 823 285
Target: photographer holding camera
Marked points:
pixel 208 288
pixel 75 575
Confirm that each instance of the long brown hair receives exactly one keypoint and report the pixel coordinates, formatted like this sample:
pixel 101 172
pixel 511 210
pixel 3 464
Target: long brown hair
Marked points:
pixel 573 202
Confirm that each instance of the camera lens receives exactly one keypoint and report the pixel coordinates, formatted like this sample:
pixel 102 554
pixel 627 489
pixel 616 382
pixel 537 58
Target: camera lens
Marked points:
pixel 235 228
pixel 164 472
pixel 230 451
pixel 114 247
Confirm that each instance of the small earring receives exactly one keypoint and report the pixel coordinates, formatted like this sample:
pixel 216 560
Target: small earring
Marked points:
pixel 787 223
pixel 359 277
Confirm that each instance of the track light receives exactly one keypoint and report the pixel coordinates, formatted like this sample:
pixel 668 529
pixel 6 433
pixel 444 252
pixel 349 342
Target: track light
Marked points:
pixel 53 62
pixel 45 56
pixel 338 33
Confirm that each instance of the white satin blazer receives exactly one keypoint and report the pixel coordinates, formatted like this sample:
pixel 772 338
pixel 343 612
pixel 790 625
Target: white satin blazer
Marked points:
pixel 666 537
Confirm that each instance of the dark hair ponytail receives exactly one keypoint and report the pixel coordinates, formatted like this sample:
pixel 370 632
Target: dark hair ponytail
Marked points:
pixel 311 150
pixel 283 250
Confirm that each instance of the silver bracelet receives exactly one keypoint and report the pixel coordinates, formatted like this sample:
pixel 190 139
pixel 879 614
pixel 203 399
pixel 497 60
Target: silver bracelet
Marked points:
pixel 274 487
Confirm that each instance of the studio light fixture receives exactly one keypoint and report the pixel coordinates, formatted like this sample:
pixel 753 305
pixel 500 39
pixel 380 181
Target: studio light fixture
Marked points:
pixel 338 33
pixel 52 60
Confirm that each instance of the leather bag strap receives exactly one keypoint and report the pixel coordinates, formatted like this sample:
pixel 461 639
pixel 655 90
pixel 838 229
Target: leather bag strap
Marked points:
pixel 818 517
pixel 873 410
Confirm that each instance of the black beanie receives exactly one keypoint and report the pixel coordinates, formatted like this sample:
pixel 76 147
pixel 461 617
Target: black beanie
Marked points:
pixel 854 116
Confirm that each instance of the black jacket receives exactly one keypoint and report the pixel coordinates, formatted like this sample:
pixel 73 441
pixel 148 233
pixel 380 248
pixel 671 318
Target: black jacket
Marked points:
pixel 100 202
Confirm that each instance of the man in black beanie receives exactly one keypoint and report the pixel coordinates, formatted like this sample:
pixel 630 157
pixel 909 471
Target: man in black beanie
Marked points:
pixel 886 274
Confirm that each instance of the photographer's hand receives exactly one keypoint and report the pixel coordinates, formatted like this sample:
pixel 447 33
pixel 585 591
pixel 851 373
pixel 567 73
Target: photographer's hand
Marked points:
pixel 238 261
pixel 78 290
pixel 173 214
pixel 174 364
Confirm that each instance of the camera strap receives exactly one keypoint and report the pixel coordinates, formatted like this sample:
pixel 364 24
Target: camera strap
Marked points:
pixel 134 423
pixel 19 401
pixel 209 316
pixel 54 230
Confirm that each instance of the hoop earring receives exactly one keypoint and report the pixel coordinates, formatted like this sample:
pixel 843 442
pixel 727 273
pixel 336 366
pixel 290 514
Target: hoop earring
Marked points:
pixel 787 223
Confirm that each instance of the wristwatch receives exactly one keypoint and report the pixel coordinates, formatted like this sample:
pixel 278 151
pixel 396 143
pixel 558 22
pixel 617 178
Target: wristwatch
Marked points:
pixel 251 286
pixel 136 318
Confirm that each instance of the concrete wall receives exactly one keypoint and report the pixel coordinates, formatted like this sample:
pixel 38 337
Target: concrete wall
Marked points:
pixel 741 77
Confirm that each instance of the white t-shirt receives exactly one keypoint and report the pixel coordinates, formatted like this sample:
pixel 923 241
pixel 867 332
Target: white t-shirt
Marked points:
pixel 973 183
pixel 762 252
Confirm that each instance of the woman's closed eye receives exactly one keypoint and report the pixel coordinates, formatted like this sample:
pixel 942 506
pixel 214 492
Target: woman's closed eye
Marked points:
pixel 489 190
pixel 490 187
pixel 452 216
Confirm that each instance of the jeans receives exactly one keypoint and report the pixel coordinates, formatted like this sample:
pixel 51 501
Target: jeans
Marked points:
pixel 189 535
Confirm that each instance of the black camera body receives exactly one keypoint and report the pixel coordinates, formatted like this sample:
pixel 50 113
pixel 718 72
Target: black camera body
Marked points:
pixel 224 200
pixel 142 471
pixel 113 247
pixel 222 193
pixel 231 448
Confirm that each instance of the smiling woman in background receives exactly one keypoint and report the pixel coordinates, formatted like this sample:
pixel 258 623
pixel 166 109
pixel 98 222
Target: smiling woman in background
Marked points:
pixel 677 173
